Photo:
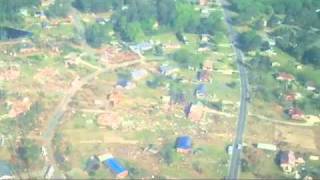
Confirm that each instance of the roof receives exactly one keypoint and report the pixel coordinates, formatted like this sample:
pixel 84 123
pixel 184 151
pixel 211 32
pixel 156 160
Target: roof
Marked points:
pixel 114 165
pixel 285 76
pixel 184 142
pixel 295 112
pixel 123 82
pixel 270 147
pixel 287 157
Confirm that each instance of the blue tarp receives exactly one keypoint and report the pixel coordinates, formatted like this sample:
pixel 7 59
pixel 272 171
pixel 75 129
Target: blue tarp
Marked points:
pixel 114 165
pixel 184 142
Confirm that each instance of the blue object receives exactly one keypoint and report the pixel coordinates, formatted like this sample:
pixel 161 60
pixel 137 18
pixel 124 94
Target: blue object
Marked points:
pixel 184 142
pixel 114 165
pixel 201 89
pixel 123 82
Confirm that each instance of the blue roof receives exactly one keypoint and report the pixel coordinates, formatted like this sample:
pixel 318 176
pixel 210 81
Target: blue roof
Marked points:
pixel 123 82
pixel 184 142
pixel 202 89
pixel 114 165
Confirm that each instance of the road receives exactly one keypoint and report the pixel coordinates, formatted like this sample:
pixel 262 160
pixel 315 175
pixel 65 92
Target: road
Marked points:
pixel 242 118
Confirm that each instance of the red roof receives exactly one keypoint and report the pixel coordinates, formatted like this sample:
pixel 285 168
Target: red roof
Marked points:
pixel 295 113
pixel 285 76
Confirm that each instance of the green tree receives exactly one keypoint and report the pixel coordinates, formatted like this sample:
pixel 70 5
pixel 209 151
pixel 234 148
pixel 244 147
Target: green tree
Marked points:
pixel 29 151
pixel 27 121
pixel 312 56
pixel 249 41
pixel 60 8
pixel 186 58
pixel 97 34
pixel 134 31
pixel 187 18
pixel 166 10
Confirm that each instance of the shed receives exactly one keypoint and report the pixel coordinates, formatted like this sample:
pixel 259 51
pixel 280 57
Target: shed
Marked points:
pixel 269 147
pixel 114 165
pixel 184 144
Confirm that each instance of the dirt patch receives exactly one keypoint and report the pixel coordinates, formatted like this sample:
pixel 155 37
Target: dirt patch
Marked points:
pixel 296 137
pixel 50 80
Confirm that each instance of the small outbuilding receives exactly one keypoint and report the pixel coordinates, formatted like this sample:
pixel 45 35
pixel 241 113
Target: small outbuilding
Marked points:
pixel 114 165
pixel 184 144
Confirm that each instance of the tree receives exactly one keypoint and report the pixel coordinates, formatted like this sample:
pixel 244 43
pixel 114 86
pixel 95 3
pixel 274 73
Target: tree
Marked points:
pixel 212 24
pixel 29 151
pixel 312 56
pixel 187 18
pixel 186 58
pixel 249 41
pixel 27 121
pixel 9 9
pixel 95 6
pixel 60 8
pixel 166 12
pixel 134 31
pixel 97 34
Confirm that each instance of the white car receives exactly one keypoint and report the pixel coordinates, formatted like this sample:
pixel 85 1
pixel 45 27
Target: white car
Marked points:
pixel 239 146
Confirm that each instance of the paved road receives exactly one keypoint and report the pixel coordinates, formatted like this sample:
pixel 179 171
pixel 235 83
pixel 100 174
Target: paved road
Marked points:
pixel 237 150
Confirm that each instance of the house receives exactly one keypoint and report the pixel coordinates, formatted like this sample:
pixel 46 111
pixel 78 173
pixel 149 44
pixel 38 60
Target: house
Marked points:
pixel 283 76
pixel 201 90
pixel 194 112
pixel 311 86
pixel 138 74
pixel 6 171
pixel 295 113
pixel 292 96
pixel 184 144
pixel 207 65
pixel 125 83
pixel 269 147
pixel 114 165
pixel 166 70
pixel 287 161
pixel 142 47
pixel 204 76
